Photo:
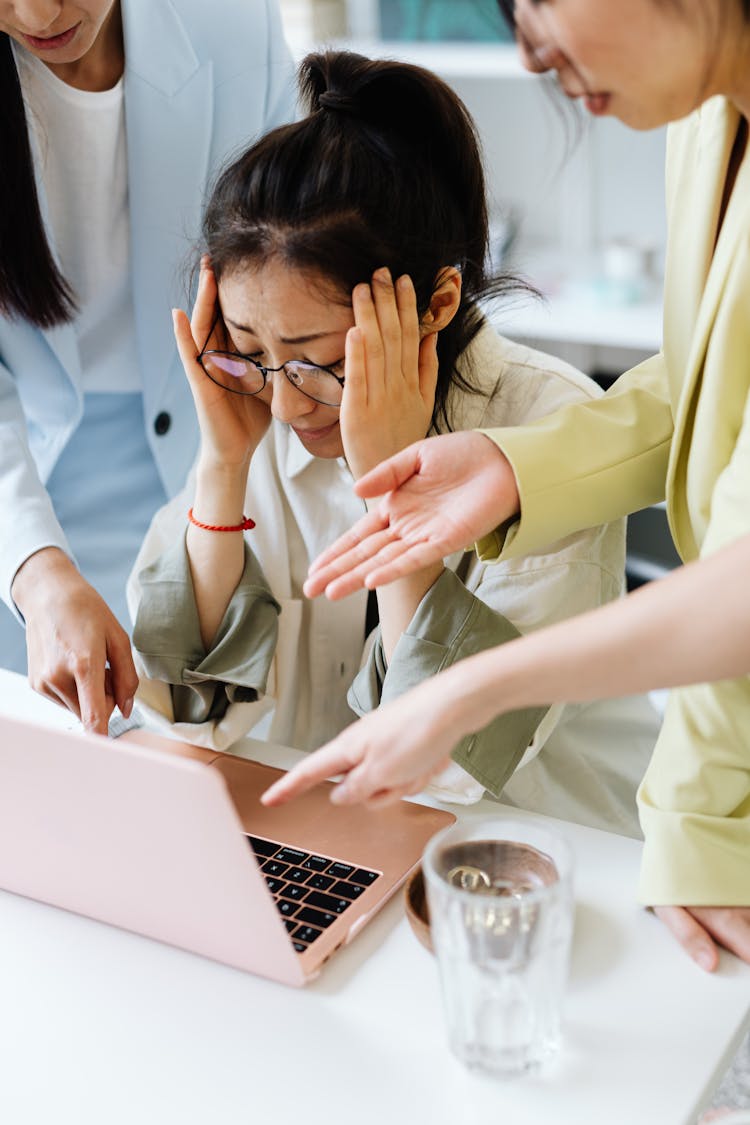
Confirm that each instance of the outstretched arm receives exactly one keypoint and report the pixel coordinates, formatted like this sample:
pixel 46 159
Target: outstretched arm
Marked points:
pixel 690 627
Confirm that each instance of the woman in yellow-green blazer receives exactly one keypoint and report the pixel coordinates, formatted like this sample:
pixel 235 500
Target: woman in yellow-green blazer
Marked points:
pixel 677 426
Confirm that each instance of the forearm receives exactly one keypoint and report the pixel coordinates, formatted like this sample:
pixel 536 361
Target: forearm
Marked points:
pixel 216 558
pixel 690 627
pixel 398 603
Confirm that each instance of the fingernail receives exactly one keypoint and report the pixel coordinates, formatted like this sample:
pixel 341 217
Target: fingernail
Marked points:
pixel 339 795
pixel 128 708
pixel 383 274
pixel 705 959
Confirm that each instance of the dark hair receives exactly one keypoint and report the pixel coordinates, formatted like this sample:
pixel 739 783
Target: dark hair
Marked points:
pixel 384 171
pixel 31 284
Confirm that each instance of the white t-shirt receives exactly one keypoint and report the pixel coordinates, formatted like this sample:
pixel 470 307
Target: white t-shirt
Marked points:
pixel 81 144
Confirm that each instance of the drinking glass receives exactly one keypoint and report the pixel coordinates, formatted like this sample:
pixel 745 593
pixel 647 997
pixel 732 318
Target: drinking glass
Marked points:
pixel 501 914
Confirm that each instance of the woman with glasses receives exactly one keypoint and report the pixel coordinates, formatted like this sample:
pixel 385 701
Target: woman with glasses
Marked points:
pixel 337 321
pixel 676 427
pixel 113 114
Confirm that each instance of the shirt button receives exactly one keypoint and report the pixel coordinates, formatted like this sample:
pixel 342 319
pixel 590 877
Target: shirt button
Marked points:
pixel 162 422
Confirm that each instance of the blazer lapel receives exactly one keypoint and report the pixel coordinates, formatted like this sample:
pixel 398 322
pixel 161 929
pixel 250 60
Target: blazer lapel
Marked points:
pixel 699 268
pixel 169 112
pixel 699 275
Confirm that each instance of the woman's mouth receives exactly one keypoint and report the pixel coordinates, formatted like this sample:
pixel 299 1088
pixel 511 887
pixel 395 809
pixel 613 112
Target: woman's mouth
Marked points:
pixel 315 435
pixel 51 42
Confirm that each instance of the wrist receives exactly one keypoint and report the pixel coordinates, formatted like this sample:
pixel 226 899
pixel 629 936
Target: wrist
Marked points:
pixel 220 493
pixel 477 691
pixel 47 564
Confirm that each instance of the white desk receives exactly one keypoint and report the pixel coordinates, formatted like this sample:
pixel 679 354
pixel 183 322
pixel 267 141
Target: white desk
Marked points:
pixel 101 1027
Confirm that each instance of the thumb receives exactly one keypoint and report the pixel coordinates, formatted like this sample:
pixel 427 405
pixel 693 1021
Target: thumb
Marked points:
pixel 390 474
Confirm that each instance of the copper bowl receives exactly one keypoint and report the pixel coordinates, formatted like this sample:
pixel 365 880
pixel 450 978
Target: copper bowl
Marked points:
pixel 417 910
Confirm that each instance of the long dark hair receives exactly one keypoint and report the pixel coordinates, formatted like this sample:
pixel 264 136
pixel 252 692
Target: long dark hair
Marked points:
pixel 31 285
pixel 385 170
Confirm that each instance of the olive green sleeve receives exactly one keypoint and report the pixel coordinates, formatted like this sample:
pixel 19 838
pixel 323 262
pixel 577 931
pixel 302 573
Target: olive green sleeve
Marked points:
pixel 450 624
pixel 168 640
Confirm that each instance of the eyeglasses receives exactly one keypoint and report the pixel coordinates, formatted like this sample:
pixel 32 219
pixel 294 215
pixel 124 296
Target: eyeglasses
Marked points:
pixel 243 375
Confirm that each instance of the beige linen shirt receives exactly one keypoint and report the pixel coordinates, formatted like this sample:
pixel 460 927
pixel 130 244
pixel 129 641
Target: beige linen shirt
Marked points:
pixel 296 671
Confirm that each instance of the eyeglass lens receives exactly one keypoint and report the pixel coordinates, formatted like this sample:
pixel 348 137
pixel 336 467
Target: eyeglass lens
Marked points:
pixel 242 376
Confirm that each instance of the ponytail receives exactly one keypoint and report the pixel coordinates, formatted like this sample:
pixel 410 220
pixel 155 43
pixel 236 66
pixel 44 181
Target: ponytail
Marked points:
pixel 31 285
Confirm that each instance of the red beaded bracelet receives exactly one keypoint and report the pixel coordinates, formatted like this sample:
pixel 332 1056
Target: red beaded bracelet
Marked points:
pixel 246 525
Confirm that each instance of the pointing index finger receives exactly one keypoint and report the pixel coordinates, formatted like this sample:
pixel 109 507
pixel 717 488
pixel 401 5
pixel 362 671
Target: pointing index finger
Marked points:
pixel 320 766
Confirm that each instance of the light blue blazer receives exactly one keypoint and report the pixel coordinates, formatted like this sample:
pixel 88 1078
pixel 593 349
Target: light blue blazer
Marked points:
pixel 201 80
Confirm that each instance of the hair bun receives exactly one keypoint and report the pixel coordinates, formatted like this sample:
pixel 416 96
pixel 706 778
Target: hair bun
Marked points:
pixel 339 103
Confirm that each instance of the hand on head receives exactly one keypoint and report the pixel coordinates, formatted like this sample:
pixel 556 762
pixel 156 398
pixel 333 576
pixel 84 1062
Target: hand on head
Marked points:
pixel 231 424
pixel 391 375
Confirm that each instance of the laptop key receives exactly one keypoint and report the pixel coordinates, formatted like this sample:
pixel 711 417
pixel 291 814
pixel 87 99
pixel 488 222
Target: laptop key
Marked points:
pixel 293 891
pixel 340 870
pixel 290 924
pixel 316 863
pixel 306 933
pixel 345 890
pixel 365 877
pixel 300 948
pixel 327 902
pixel 274 885
pixel 292 855
pixel 320 882
pixel 315 917
pixel 273 867
pixel 287 908
pixel 262 847
pixel 297 875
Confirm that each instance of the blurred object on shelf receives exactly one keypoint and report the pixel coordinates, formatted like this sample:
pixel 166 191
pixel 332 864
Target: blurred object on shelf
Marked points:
pixel 314 21
pixel 505 224
pixel 317 21
pixel 475 20
pixel 628 271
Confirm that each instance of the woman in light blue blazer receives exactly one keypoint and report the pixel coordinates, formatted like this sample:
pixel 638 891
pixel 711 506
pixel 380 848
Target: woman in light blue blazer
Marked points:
pixel 116 113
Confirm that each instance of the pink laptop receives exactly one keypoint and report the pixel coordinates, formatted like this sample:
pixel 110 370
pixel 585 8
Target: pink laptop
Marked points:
pixel 170 841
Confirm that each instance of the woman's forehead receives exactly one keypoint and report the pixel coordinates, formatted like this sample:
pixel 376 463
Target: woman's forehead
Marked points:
pixel 288 303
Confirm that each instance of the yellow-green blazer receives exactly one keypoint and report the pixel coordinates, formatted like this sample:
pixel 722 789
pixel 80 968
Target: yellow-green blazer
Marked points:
pixel 678 426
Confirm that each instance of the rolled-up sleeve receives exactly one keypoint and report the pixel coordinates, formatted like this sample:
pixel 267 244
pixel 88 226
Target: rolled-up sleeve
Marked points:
pixel 450 624
pixel 167 638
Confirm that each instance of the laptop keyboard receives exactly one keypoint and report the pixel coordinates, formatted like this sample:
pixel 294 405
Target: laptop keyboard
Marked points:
pixel 310 890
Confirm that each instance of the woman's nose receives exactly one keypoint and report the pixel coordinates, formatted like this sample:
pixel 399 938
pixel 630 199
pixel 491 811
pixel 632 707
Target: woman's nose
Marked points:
pixel 37 15
pixel 287 403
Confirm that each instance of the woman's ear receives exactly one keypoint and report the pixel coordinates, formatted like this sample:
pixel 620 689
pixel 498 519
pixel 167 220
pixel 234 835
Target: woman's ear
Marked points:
pixel 444 301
